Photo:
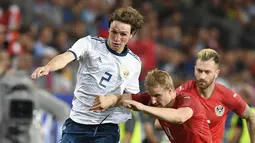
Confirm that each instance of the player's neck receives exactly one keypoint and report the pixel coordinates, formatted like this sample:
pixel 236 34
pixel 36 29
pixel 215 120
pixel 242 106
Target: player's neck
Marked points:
pixel 206 93
pixel 171 103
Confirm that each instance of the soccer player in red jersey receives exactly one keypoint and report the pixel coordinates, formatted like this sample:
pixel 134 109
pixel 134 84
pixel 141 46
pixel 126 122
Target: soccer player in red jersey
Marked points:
pixel 216 98
pixel 181 115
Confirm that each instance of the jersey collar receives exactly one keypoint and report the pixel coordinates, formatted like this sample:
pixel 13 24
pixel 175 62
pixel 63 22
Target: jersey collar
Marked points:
pixel 123 53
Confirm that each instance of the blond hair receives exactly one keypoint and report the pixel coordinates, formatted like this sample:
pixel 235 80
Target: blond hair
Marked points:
pixel 129 16
pixel 157 78
pixel 208 54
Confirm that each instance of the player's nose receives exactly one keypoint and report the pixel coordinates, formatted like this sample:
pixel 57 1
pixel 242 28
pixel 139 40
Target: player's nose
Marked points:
pixel 117 37
pixel 202 76
pixel 153 100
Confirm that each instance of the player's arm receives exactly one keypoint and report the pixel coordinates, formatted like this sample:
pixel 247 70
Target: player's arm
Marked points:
pixel 79 50
pixel 177 116
pixel 239 106
pixel 58 62
pixel 101 103
pixel 249 116
pixel 237 131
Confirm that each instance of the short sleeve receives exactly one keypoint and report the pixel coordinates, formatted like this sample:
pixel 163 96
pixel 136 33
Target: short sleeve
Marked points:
pixel 133 85
pixel 187 100
pixel 142 98
pixel 185 86
pixel 234 102
pixel 179 89
pixel 81 47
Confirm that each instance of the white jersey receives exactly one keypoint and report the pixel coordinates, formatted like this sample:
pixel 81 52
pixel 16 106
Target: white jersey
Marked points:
pixel 102 71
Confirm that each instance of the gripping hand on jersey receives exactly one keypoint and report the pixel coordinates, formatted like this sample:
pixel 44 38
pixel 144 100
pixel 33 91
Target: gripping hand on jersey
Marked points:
pixel 134 105
pixel 41 71
pixel 101 103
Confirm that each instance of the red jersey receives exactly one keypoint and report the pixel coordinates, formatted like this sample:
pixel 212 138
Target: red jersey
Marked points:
pixel 194 130
pixel 217 106
pixel 146 50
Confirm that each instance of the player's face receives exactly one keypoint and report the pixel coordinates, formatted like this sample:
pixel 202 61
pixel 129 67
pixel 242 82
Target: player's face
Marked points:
pixel 160 97
pixel 119 35
pixel 205 72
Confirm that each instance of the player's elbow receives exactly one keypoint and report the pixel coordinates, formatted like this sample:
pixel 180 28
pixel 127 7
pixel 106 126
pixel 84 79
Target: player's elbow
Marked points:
pixel 251 118
pixel 183 114
pixel 251 122
pixel 65 58
pixel 180 120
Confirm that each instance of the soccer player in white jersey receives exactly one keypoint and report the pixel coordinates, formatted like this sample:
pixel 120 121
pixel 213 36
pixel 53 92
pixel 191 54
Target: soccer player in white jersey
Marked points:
pixel 105 66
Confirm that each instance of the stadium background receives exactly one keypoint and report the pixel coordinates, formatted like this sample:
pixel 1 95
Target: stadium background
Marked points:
pixel 33 31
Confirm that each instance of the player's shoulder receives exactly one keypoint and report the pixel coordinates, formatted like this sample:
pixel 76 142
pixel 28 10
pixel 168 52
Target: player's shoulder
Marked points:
pixel 186 86
pixel 190 100
pixel 94 40
pixel 91 39
pixel 185 95
pixel 134 55
pixel 97 39
pixel 222 89
pixel 97 43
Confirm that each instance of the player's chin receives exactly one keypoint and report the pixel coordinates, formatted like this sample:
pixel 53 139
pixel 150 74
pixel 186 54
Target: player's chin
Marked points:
pixel 116 46
pixel 204 86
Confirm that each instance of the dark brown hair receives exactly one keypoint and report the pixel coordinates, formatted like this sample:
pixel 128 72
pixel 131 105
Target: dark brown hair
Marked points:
pixel 128 15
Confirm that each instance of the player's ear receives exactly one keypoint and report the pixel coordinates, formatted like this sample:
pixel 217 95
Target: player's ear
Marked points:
pixel 217 73
pixel 131 36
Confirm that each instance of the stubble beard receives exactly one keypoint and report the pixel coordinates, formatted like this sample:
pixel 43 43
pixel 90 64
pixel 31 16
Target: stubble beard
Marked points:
pixel 205 85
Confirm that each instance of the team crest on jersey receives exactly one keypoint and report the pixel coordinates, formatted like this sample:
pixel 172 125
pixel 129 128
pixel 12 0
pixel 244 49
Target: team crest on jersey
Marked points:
pixel 219 110
pixel 124 72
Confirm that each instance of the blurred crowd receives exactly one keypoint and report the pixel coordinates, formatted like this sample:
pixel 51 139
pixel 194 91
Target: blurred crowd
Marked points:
pixel 33 31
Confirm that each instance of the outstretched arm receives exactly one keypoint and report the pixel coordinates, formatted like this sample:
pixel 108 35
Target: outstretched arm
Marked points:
pixel 249 115
pixel 58 62
pixel 101 103
pixel 177 116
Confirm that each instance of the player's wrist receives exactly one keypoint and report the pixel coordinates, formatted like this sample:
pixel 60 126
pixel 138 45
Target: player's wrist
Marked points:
pixel 112 99
pixel 47 67
pixel 143 108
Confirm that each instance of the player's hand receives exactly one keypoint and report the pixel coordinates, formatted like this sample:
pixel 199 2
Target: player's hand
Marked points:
pixel 133 105
pixel 41 71
pixel 101 103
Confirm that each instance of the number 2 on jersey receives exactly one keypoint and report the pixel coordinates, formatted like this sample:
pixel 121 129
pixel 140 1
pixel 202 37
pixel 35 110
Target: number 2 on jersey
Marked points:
pixel 107 79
